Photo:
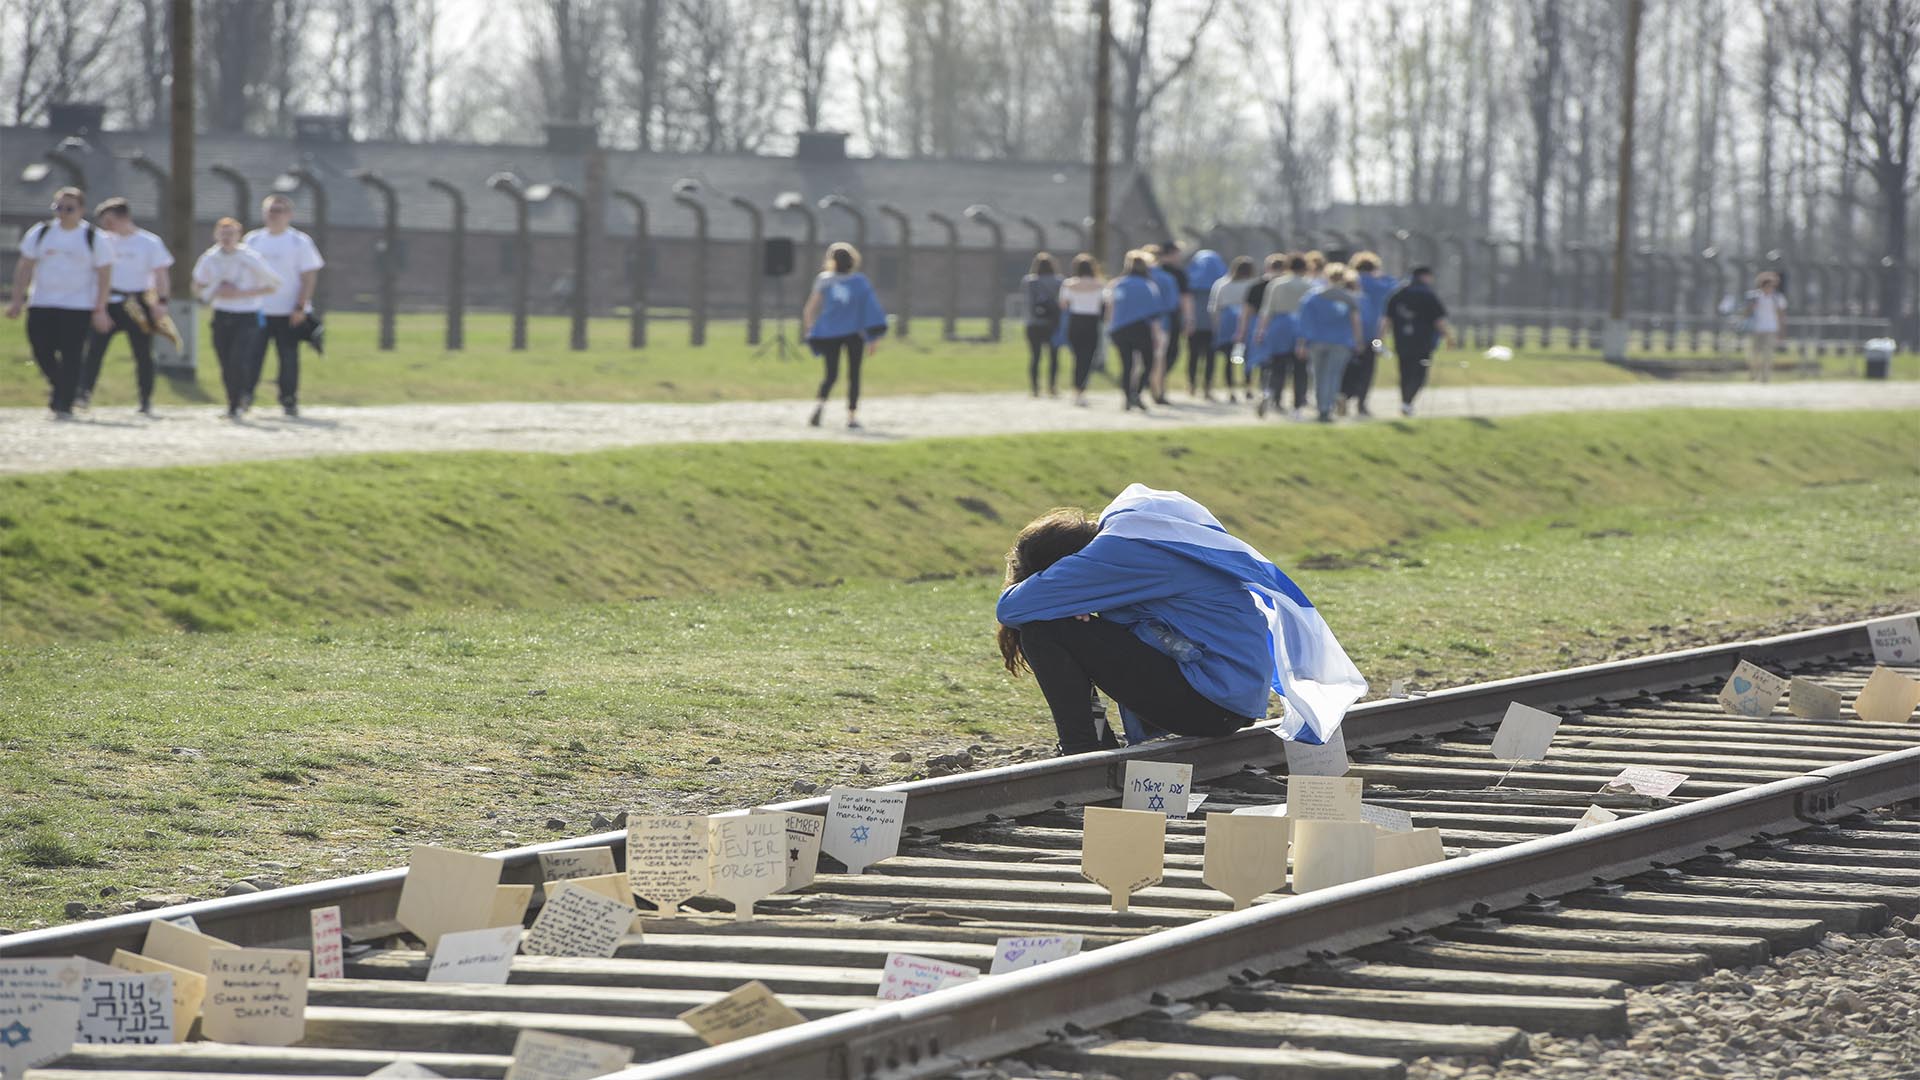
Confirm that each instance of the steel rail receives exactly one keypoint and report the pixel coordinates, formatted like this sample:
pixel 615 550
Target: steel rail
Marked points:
pixel 279 917
pixel 946 1030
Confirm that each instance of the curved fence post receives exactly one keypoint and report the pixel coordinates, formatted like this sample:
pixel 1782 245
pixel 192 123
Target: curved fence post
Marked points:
pixel 509 185
pixel 242 191
pixel 456 266
pixel 683 191
pixel 842 203
pixel 389 254
pixel 300 178
pixel 578 300
pixel 162 184
pixel 903 228
pixel 982 215
pixel 757 243
pixel 1078 232
pixel 636 271
pixel 951 329
pixel 792 203
pixel 1038 230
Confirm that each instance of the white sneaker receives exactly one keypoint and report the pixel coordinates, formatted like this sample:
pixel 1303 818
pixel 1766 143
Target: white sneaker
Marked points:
pixel 1406 410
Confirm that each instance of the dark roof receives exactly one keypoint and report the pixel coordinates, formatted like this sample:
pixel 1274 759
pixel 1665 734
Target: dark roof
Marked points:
pixel 1047 191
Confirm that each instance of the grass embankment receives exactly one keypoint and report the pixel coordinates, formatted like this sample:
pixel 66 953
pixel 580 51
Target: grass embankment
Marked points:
pixel 329 735
pixel 354 372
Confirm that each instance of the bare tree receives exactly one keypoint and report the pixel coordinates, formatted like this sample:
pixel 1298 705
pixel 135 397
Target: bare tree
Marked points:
pixel 817 26
pixel 63 49
pixel 1144 75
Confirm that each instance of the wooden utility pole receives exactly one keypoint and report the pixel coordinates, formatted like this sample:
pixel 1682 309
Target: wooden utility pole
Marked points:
pixel 180 183
pixel 1614 340
pixel 1102 125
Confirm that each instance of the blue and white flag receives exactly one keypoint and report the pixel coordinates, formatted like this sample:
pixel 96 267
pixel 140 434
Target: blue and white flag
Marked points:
pixel 1310 669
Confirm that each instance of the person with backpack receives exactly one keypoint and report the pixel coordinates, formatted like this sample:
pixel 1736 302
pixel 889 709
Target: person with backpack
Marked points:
pixel 1041 287
pixel 140 262
pixel 63 279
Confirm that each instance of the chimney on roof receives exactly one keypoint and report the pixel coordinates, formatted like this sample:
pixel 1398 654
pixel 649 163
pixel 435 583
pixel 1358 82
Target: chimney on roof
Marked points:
pixel 572 138
pixel 322 128
pixel 75 117
pixel 821 146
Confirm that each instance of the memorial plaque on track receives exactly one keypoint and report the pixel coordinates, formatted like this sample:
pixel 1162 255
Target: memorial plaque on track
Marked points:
pixel 576 863
pixel 750 1010
pixel 1888 697
pixel 1327 853
pixel 863 826
pixel 1015 953
pixel 1752 691
pixel 126 1008
pixel 1246 856
pixel 1400 850
pixel 1525 733
pixel 1324 798
pixel 447 890
pixel 542 1055
pixel 1896 641
pixel 1162 787
pixel 576 921
pixel 1810 700
pixel 1319 759
pixel 667 860
pixel 256 997
pixel 39 1011
pixel 1123 851
pixel 476 956
pixel 189 987
pixel 749 859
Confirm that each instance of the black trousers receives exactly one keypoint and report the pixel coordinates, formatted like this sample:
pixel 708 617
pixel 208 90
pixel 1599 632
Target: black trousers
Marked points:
pixel 1175 325
pixel 1070 658
pixel 1279 368
pixel 58 337
pixel 1357 381
pixel 141 341
pixel 1199 351
pixel 239 341
pixel 829 349
pixel 1040 336
pixel 1413 373
pixel 1134 344
pixel 1083 337
pixel 286 344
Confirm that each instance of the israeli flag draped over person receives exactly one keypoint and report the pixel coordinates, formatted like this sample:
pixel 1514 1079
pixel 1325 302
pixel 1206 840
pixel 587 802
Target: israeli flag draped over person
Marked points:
pixel 850 307
pixel 1310 669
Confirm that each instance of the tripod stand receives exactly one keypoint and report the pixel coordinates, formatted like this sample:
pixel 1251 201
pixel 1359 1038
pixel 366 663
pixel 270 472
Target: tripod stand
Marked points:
pixel 780 345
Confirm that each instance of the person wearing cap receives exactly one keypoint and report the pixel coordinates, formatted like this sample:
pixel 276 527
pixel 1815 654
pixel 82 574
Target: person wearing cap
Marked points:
pixel 140 262
pixel 1418 320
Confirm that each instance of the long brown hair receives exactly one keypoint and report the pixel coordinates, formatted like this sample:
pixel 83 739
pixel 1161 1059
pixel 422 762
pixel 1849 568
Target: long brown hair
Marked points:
pixel 1046 540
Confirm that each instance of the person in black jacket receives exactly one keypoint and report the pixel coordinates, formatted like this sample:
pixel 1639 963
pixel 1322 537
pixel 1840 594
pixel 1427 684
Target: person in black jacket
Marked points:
pixel 1419 320
pixel 1041 287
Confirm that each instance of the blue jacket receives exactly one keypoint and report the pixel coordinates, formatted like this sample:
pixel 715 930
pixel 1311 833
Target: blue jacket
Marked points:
pixel 1375 288
pixel 1226 325
pixel 1134 300
pixel 1169 296
pixel 1326 317
pixel 848 306
pixel 1205 268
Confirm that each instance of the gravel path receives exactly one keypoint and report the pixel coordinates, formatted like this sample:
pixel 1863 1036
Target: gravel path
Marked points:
pixel 113 438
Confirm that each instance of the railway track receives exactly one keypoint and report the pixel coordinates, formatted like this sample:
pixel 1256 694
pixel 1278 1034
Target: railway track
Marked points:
pixel 1767 844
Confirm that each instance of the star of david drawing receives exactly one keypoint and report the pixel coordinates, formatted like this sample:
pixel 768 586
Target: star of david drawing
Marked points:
pixel 1155 802
pixel 793 854
pixel 15 1034
pixel 859 834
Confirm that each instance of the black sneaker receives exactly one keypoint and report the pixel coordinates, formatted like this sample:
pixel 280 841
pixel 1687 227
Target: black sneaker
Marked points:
pixel 83 401
pixel 292 410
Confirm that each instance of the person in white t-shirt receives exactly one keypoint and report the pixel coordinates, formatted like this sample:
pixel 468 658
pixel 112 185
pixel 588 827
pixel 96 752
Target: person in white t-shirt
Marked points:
pixel 1766 322
pixel 62 280
pixel 140 262
pixel 235 280
pixel 293 256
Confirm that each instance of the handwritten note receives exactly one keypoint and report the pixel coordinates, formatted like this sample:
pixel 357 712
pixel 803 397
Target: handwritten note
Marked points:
pixel 447 890
pixel 126 1008
pixel 863 826
pixel 578 922
pixel 475 956
pixel 1595 815
pixel 1525 733
pixel 510 904
pixel 749 859
pixel 1123 851
pixel 404 1070
pixel 1014 953
pixel 1323 798
pixel 1896 641
pixel 1751 691
pixel 39 1011
pixel 1157 786
pixel 1888 697
pixel 542 1055
pixel 1642 780
pixel 750 1010
pixel 1401 850
pixel 1246 856
pixel 906 976
pixel 1323 759
pixel 1328 853
pixel 1810 700
pixel 614 886
pixel 329 950
pixel 1386 817
pixel 189 987
pixel 181 947
pixel 803 847
pixel 576 863
pixel 667 860
pixel 256 997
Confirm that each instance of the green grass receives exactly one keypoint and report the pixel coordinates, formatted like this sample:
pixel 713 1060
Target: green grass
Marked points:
pixel 219 548
pixel 354 372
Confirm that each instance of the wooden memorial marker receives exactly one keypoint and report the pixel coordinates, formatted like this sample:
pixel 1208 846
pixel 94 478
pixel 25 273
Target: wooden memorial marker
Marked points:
pixel 1525 733
pixel 1123 851
pixel 577 921
pixel 577 863
pixel 39 1011
pixel 1327 853
pixel 614 886
pixel 750 1010
pixel 329 947
pixel 1645 780
pixel 476 956
pixel 1246 856
pixel 667 860
pixel 906 976
pixel 120 1008
pixel 1015 953
pixel 803 847
pixel 256 997
pixel 1319 759
pixel 180 947
pixel 1809 700
pixel 447 890
pixel 1896 641
pixel 749 860
pixel 189 987
pixel 1595 815
pixel 863 826
pixel 1888 698
pixel 1158 786
pixel 542 1055
pixel 1324 798
pixel 1752 691
pixel 510 904
pixel 1400 850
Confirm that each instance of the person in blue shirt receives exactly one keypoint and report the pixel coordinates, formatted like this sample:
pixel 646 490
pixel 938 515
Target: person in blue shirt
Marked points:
pixel 1375 288
pixel 1329 329
pixel 1205 268
pixel 1170 278
pixel 1185 626
pixel 842 315
pixel 1134 309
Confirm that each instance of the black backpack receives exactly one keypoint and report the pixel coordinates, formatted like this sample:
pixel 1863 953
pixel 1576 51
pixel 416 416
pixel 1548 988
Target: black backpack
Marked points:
pixel 1043 303
pixel 40 230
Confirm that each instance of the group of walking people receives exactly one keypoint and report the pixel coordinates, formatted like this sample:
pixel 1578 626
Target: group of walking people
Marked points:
pixel 80 283
pixel 1318 324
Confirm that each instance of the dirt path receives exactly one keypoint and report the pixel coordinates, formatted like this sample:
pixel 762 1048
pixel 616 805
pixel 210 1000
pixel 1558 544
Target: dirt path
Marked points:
pixel 117 438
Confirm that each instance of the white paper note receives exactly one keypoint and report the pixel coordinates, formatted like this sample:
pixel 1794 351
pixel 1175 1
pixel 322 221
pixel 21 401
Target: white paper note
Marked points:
pixel 667 859
pixel 189 987
pixel 1325 759
pixel 1896 642
pixel 1014 953
pixel 863 826
pixel 119 1008
pixel 578 922
pixel 39 1011
pixel 329 950
pixel 1810 700
pixel 1752 691
pixel 542 1055
pixel 1595 815
pixel 576 863
pixel 749 859
pixel 475 956
pixel 256 997
pixel 1323 798
pixel 752 1009
pixel 906 976
pixel 1270 810
pixel 1887 698
pixel 1159 786
pixel 1643 780
pixel 1525 733
pixel 1387 817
